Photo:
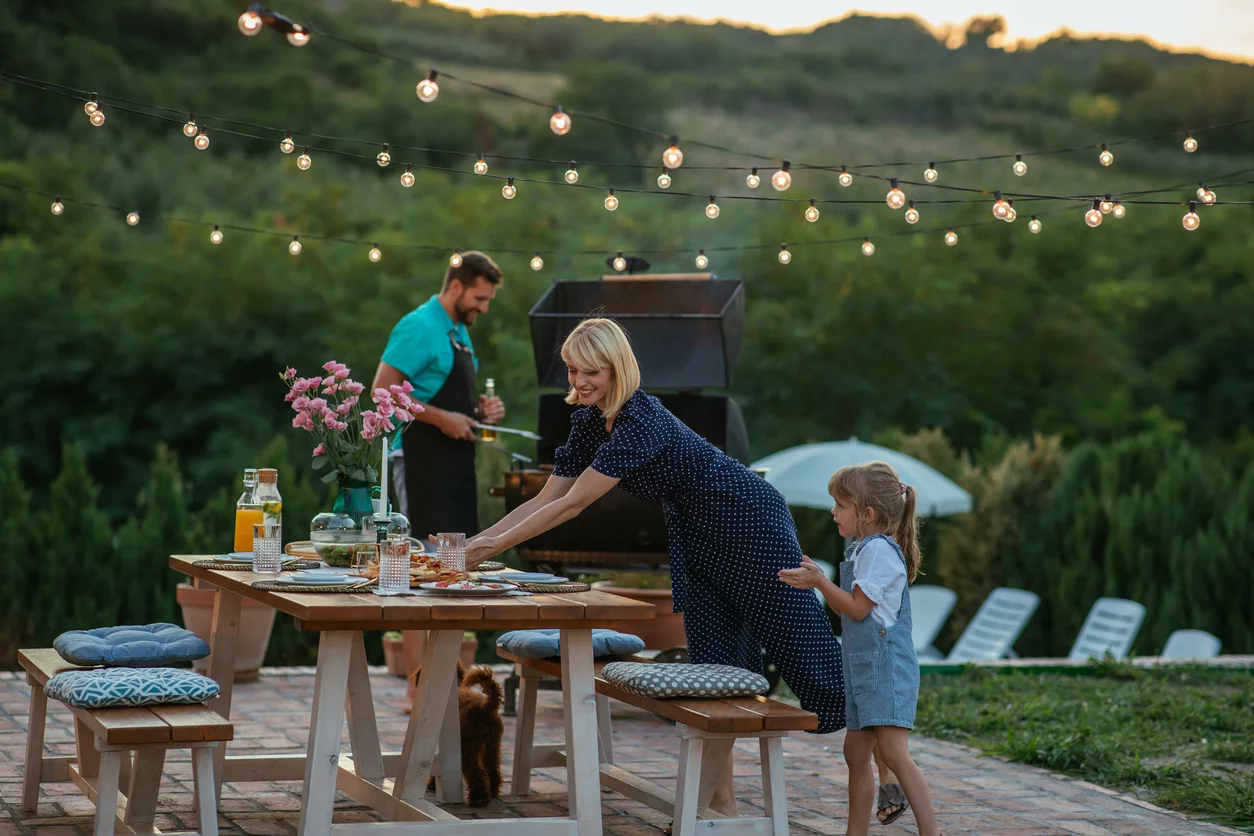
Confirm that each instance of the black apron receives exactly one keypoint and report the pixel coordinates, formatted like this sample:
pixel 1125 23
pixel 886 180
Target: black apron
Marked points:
pixel 440 471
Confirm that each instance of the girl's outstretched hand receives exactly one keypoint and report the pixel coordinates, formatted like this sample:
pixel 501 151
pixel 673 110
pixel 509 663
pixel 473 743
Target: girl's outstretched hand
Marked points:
pixel 807 576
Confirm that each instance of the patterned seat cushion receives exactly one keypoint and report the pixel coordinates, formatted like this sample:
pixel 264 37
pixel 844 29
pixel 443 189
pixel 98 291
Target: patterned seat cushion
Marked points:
pixel 131 646
pixel 665 680
pixel 543 644
pixel 130 687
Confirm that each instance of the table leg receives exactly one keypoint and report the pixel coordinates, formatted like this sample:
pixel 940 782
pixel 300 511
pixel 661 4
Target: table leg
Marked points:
pixel 431 699
pixel 449 784
pixel 583 777
pixel 326 724
pixel 363 729
pixel 222 641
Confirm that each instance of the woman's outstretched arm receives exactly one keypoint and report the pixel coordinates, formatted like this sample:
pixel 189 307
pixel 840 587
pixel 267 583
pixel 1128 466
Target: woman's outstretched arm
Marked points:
pixel 555 488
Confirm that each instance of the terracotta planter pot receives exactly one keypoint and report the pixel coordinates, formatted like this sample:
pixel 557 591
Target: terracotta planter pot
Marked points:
pixel 394 656
pixel 665 630
pixel 256 622
pixel 413 642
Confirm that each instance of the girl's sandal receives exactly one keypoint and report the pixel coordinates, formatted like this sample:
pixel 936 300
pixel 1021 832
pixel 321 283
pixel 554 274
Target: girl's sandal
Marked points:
pixel 892 803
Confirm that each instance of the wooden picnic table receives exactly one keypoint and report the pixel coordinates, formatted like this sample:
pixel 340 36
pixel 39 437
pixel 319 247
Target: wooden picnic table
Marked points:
pixel 395 784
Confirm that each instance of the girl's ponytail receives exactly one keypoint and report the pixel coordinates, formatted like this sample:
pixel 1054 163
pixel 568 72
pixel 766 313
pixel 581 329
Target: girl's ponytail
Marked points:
pixel 907 533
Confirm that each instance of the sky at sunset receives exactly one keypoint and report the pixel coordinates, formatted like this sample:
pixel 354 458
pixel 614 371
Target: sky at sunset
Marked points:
pixel 1217 27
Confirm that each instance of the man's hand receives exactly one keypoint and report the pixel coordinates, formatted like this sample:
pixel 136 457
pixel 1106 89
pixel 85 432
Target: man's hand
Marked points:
pixel 491 410
pixel 808 576
pixel 458 426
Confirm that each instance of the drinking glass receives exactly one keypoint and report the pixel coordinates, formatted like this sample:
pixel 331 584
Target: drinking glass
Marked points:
pixel 394 565
pixel 365 555
pixel 450 550
pixel 267 549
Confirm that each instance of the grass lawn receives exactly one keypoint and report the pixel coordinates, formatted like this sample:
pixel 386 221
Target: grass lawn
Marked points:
pixel 1182 738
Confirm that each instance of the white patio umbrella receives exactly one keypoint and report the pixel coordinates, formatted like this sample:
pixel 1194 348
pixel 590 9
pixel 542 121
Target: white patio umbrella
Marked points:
pixel 801 474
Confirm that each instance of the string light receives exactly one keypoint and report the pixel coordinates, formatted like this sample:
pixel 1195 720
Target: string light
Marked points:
pixel 951 237
pixel 1107 205
pixel 611 202
pixel 620 263
pixel 537 263
pixel 895 198
pixel 1190 144
pixel 455 260
pixel 508 191
pixel 782 179
pixel 383 158
pixel 132 218
pixel 407 177
pixel 672 157
pixel 845 179
pixel 559 122
pixel 427 89
pixel 481 165
pixel 295 247
pixel 202 140
pixel 94 114
pixel 812 214
pixel 664 179
pixel 1093 217
pixel 1105 158
pixel 376 253
pixel 784 256
pixel 1020 167
pixel 711 209
pixel 250 23
pixel 701 261
pixel 912 214
pixel 753 180
pixel 1118 211
pixel 1205 194
pixel 931 175
pixel 1000 207
pixel 298 36
pixel 572 174
pixel 1034 226
pixel 189 130
pixel 1191 221
pixel 1011 214
pixel 287 146
pixel 215 237
pixel 867 247
pixel 304 161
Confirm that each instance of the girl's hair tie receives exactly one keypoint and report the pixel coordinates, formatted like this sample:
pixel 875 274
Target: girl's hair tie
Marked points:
pixel 903 488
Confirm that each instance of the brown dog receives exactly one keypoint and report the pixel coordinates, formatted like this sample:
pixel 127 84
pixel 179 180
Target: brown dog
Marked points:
pixel 479 701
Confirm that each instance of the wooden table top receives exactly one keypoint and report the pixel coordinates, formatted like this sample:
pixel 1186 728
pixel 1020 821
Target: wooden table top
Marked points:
pixel 367 611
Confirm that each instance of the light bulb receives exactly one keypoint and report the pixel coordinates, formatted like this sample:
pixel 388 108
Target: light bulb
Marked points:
pixel 867 247
pixel 250 23
pixel 1011 214
pixel 455 260
pixel 1118 211
pixel 620 263
pixel 611 202
pixel 559 122
pixel 931 175
pixel 1105 158
pixel 1190 144
pixel 951 237
pixel 202 140
pixel 428 89
pixel 782 179
pixel 294 248
pixel 508 191
pixel 711 209
pixel 701 261
pixel 537 263
pixel 1093 217
pixel 1206 194
pixel 287 146
pixel 845 179
pixel 407 177
pixel 375 253
pixel 664 180
pixel 215 237
pixel 1191 221
pixel 812 213
pixel 1106 205
pixel 1020 167
pixel 672 157
pixel 57 206
pixel 1034 226
pixel 481 166
pixel 753 180
pixel 91 105
pixel 190 129
pixel 1000 207
pixel 895 198
pixel 97 118
pixel 132 218
pixel 572 174
pixel 303 162
pixel 784 255
pixel 299 36
pixel 912 214
pixel 383 158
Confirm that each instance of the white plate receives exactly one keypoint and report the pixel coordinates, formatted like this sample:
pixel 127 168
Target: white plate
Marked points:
pixel 522 577
pixel 318 579
pixel 482 590
pixel 237 557
pixel 555 581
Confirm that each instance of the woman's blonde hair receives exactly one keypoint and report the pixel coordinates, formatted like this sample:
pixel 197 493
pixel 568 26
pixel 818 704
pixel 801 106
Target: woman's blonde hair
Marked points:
pixel 597 344
pixel 875 485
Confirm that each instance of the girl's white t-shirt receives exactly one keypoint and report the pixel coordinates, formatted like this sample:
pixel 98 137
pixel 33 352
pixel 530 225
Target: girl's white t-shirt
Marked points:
pixel 881 574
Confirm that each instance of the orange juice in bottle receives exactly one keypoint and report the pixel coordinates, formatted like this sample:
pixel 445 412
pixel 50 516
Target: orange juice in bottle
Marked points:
pixel 248 512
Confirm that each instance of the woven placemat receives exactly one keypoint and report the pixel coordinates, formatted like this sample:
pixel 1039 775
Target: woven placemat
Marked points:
pixel 573 586
pixel 490 566
pixel 248 567
pixel 274 586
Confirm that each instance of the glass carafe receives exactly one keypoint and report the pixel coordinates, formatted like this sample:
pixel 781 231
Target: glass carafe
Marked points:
pixel 248 513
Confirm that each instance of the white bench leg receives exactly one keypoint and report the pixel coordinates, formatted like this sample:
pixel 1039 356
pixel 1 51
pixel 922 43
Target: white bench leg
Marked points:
pixel 33 773
pixel 688 789
pixel 107 792
pixel 605 733
pixel 144 787
pixel 524 730
pixel 204 790
pixel 775 796
pixel 717 790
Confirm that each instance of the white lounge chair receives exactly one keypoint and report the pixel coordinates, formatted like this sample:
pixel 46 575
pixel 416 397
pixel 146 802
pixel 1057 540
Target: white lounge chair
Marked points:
pixel 1191 644
pixel 930 605
pixel 1111 627
pixel 996 626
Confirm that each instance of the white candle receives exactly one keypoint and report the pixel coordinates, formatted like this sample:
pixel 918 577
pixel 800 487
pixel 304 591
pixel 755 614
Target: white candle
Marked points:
pixel 383 477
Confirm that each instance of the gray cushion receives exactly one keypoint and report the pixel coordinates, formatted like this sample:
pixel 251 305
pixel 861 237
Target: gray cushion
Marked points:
pixel 542 644
pixel 665 680
pixel 130 687
pixel 132 646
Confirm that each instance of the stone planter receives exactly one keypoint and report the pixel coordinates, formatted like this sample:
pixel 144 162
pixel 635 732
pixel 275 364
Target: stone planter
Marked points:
pixel 665 630
pixel 256 622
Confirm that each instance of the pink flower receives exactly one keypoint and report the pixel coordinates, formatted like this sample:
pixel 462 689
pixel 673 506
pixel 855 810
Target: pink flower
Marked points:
pixel 343 409
pixel 320 450
pixel 318 405
pixel 330 390
pixel 386 425
pixel 289 373
pixel 329 380
pixel 381 396
pixel 340 426
pixel 407 386
pixel 353 387
pixel 329 365
pixel 290 396
pixel 404 415
pixel 300 404
pixel 386 409
pixel 303 421
pixel 351 400
pixel 329 419
pixel 341 373
pixel 300 386
pixel 369 425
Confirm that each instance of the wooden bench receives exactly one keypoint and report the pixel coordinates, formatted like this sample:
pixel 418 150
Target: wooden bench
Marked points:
pixel 708 729
pixel 102 735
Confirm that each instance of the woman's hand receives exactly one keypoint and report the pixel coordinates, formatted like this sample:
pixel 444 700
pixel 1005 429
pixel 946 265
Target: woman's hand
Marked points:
pixel 479 549
pixel 807 576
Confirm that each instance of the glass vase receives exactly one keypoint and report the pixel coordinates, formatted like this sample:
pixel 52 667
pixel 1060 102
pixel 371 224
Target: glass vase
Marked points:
pixel 335 534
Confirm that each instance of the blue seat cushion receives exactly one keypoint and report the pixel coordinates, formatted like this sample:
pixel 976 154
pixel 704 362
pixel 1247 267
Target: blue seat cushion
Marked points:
pixel 543 644
pixel 670 680
pixel 130 687
pixel 132 646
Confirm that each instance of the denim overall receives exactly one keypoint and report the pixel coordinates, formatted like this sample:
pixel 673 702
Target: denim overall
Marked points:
pixel 881 669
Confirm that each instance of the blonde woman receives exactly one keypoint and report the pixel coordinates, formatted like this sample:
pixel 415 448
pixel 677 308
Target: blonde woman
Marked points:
pixel 729 531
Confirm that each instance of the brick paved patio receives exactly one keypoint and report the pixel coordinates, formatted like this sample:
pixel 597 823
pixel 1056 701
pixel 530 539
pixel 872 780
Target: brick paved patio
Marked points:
pixel 974 795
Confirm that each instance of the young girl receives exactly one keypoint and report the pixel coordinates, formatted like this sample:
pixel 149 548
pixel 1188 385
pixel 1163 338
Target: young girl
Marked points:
pixel 873 599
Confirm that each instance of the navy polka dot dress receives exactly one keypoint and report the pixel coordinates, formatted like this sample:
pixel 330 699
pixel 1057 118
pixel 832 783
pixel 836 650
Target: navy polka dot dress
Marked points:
pixel 729 534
